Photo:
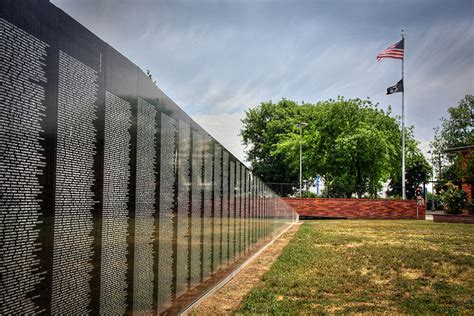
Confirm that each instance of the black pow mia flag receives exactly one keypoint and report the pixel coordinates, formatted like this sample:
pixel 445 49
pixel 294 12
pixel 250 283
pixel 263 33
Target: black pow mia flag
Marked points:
pixel 396 88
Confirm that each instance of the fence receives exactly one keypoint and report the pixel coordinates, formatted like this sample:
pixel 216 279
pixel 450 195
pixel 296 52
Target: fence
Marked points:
pixel 313 189
pixel 334 190
pixel 113 200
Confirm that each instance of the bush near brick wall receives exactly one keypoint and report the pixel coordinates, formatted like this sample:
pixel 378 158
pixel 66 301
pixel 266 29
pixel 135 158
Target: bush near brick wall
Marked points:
pixel 356 208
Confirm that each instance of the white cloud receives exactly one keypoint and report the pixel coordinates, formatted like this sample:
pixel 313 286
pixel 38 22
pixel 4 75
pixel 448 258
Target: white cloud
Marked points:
pixel 225 128
pixel 213 60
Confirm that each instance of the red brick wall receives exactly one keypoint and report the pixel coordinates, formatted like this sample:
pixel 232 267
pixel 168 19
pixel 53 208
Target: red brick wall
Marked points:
pixel 467 187
pixel 449 218
pixel 356 208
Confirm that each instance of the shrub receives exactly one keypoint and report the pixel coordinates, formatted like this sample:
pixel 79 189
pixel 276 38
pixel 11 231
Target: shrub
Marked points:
pixel 470 208
pixel 308 194
pixel 430 197
pixel 453 198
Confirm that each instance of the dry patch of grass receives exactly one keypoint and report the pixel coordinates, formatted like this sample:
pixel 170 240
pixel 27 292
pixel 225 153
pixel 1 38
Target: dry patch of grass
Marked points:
pixel 413 267
pixel 412 274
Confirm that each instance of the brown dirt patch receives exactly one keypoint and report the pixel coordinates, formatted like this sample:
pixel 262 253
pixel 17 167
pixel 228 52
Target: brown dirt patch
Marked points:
pixel 354 245
pixel 412 274
pixel 228 298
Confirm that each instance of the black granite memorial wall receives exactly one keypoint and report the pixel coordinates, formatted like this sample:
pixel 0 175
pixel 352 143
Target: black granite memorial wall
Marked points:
pixel 113 200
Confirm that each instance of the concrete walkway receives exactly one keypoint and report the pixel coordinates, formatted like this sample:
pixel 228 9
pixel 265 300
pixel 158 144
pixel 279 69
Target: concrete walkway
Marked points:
pixel 228 298
pixel 429 214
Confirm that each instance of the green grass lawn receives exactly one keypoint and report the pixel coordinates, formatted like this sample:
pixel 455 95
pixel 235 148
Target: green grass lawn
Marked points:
pixel 351 266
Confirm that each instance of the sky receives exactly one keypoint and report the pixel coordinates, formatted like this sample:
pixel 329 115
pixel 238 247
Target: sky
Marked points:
pixel 217 59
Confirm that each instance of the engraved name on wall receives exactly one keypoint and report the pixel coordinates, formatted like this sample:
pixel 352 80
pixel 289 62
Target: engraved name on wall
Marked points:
pixel 207 212
pixel 77 235
pixel 232 217
pixel 225 207
pixel 167 202
pixel 145 207
pixel 217 220
pixel 22 96
pixel 196 208
pixel 184 190
pixel 72 251
pixel 115 212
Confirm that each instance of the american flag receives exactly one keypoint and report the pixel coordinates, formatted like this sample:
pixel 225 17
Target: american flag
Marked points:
pixel 395 51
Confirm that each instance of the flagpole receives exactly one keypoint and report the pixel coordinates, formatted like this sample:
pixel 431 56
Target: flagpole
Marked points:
pixel 403 121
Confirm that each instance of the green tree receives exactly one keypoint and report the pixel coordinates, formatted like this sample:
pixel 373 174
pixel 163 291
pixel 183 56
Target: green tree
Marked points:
pixel 352 144
pixel 417 169
pixel 455 131
pixel 348 142
pixel 458 129
pixel 263 126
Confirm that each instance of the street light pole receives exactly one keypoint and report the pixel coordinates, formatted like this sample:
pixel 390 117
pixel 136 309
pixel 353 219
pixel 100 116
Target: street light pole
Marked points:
pixel 300 125
pixel 301 159
pixel 403 129
pixel 439 165
pixel 432 181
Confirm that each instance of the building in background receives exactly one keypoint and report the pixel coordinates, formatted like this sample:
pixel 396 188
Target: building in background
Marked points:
pixel 467 166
